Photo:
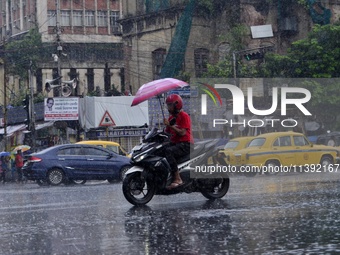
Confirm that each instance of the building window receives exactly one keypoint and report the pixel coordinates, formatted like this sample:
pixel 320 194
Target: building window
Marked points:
pixel 65 18
pixel 90 80
pixel 77 18
pixel 52 18
pixel 114 16
pixel 102 20
pixel 158 58
pixel 201 61
pixel 89 18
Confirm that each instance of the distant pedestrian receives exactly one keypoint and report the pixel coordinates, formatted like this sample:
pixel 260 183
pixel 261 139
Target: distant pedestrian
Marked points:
pixel 2 172
pixel 4 168
pixel 13 170
pixel 19 163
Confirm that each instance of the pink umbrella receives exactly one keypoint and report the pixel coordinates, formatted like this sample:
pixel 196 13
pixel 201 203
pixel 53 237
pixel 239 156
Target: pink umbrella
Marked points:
pixel 156 88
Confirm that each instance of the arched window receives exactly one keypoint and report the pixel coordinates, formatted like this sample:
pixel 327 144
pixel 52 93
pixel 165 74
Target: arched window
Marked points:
pixel 201 61
pixel 158 58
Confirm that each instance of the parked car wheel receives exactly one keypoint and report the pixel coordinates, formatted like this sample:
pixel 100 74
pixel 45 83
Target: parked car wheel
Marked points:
pixel 271 166
pixel 326 161
pixel 55 176
pixel 79 181
pixel 123 171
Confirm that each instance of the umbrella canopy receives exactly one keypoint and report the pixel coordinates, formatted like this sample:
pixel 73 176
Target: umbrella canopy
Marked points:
pixel 4 154
pixel 22 148
pixel 157 87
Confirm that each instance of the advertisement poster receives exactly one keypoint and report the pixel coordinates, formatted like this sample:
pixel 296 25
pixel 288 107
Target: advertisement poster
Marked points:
pixel 61 108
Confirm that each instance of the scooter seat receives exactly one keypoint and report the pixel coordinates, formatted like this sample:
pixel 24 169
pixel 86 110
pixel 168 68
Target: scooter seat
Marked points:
pixel 199 148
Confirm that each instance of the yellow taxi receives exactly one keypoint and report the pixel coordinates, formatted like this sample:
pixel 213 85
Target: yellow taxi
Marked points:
pixel 277 152
pixel 233 145
pixel 113 146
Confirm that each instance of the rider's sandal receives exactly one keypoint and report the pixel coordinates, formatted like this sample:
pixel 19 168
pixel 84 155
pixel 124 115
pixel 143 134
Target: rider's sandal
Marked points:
pixel 174 185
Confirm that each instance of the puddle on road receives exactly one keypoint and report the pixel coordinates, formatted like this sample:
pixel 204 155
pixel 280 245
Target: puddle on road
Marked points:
pixel 273 215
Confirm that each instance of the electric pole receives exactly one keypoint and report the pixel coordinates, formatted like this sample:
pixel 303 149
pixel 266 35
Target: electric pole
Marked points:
pixel 31 107
pixel 59 47
pixel 5 93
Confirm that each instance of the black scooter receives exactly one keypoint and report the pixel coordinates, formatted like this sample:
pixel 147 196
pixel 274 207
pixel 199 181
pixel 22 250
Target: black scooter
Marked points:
pixel 150 173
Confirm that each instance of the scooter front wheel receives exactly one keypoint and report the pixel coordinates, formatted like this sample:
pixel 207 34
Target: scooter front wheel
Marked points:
pixel 136 190
pixel 215 188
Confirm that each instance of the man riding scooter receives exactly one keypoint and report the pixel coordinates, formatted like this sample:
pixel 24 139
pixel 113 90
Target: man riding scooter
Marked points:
pixel 181 141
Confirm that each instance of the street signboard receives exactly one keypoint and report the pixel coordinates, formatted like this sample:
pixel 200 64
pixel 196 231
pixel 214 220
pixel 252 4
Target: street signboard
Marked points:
pixel 107 120
pixel 132 132
pixel 188 91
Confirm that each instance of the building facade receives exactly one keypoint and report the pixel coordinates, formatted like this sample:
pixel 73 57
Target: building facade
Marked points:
pixel 83 34
pixel 149 27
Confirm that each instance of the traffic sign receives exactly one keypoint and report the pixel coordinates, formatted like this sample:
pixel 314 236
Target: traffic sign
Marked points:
pixel 107 120
pixel 188 91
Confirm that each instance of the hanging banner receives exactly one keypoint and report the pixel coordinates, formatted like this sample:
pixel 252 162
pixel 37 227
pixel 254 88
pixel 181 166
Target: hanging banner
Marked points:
pixel 61 108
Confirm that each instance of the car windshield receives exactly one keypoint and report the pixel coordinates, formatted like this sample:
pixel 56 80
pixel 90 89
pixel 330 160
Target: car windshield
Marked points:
pixel 231 145
pixel 112 148
pixel 257 142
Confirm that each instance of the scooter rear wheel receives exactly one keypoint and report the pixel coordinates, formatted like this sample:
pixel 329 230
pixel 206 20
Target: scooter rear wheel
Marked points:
pixel 137 191
pixel 216 190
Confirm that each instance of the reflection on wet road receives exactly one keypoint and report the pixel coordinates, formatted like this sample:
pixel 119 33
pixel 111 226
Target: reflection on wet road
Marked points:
pixel 295 214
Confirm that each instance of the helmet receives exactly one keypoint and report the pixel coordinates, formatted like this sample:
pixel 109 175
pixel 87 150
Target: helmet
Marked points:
pixel 176 100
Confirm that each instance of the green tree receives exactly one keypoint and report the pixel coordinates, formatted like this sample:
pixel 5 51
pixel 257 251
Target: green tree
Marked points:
pixel 211 7
pixel 23 54
pixel 317 56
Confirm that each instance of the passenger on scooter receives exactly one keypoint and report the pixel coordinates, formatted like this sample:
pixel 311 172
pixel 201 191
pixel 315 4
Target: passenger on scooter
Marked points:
pixel 179 126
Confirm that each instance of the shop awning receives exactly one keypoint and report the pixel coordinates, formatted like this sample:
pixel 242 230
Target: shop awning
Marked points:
pixel 12 129
pixel 44 125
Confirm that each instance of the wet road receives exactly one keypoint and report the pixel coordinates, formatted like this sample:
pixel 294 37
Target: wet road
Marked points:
pixel 294 214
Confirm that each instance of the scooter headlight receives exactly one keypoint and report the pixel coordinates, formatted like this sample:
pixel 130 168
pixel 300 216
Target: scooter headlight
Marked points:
pixel 139 158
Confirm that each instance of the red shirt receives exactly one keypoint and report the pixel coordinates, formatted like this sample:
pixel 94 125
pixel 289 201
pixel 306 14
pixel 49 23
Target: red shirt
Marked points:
pixel 182 121
pixel 19 161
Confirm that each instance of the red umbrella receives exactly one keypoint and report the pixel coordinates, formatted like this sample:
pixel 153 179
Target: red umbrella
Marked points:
pixel 155 88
